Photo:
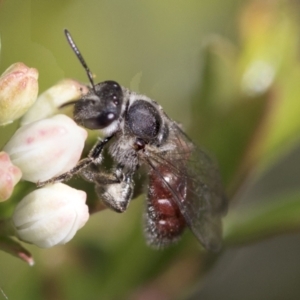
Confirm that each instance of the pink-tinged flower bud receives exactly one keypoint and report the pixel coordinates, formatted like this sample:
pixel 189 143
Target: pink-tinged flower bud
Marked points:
pixel 51 215
pixel 46 148
pixel 49 102
pixel 18 91
pixel 9 176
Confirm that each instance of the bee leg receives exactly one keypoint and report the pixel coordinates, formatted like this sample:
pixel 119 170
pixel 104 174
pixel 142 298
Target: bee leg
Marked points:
pixel 115 189
pixel 94 157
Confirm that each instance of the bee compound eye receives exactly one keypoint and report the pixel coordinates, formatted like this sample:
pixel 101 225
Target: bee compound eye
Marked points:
pixel 110 116
pixel 105 119
pixel 99 122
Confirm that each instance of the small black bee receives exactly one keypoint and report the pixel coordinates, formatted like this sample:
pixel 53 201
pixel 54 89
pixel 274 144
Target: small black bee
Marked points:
pixel 184 186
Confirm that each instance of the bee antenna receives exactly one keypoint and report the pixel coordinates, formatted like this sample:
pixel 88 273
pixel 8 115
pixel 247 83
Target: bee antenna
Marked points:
pixel 80 57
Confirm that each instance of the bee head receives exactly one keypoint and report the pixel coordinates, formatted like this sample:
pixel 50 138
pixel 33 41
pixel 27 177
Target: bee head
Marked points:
pixel 100 107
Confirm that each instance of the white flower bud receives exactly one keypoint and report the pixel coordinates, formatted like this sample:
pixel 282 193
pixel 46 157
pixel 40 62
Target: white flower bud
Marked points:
pixel 18 91
pixel 9 176
pixel 49 102
pixel 46 148
pixel 51 215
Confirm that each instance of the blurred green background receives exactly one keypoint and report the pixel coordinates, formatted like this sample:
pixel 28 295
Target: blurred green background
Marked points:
pixel 229 72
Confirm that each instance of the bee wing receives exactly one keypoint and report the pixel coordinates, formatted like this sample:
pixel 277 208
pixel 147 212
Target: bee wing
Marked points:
pixel 200 195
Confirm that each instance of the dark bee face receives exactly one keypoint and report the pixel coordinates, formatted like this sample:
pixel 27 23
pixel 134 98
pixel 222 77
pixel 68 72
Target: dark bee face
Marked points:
pixel 99 108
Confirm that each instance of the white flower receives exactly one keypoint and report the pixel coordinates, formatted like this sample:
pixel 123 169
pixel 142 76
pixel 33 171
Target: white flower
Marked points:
pixel 49 102
pixel 9 176
pixel 18 91
pixel 46 148
pixel 51 215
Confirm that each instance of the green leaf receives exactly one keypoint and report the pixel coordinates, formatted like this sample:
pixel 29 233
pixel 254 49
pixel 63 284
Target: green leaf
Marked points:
pixel 280 216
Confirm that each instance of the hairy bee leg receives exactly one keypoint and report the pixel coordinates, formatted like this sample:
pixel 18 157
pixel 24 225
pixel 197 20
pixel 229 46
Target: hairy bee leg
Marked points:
pixel 93 157
pixel 96 151
pixel 68 175
pixel 92 174
pixel 115 189
pixel 115 195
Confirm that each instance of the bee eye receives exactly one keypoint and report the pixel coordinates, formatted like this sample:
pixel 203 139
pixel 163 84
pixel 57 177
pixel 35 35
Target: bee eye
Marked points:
pixel 110 116
pixel 105 119
pixel 99 122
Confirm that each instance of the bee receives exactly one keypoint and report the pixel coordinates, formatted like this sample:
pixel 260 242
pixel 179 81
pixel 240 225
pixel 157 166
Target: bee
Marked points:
pixel 184 187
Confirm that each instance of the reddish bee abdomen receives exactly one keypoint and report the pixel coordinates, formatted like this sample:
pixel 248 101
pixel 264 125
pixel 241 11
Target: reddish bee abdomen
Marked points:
pixel 164 221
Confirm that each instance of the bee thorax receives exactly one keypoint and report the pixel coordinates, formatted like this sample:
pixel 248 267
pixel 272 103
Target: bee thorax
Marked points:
pixel 124 152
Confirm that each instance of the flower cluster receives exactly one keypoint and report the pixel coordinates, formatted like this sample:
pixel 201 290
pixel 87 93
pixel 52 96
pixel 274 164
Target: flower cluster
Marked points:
pixel 46 145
